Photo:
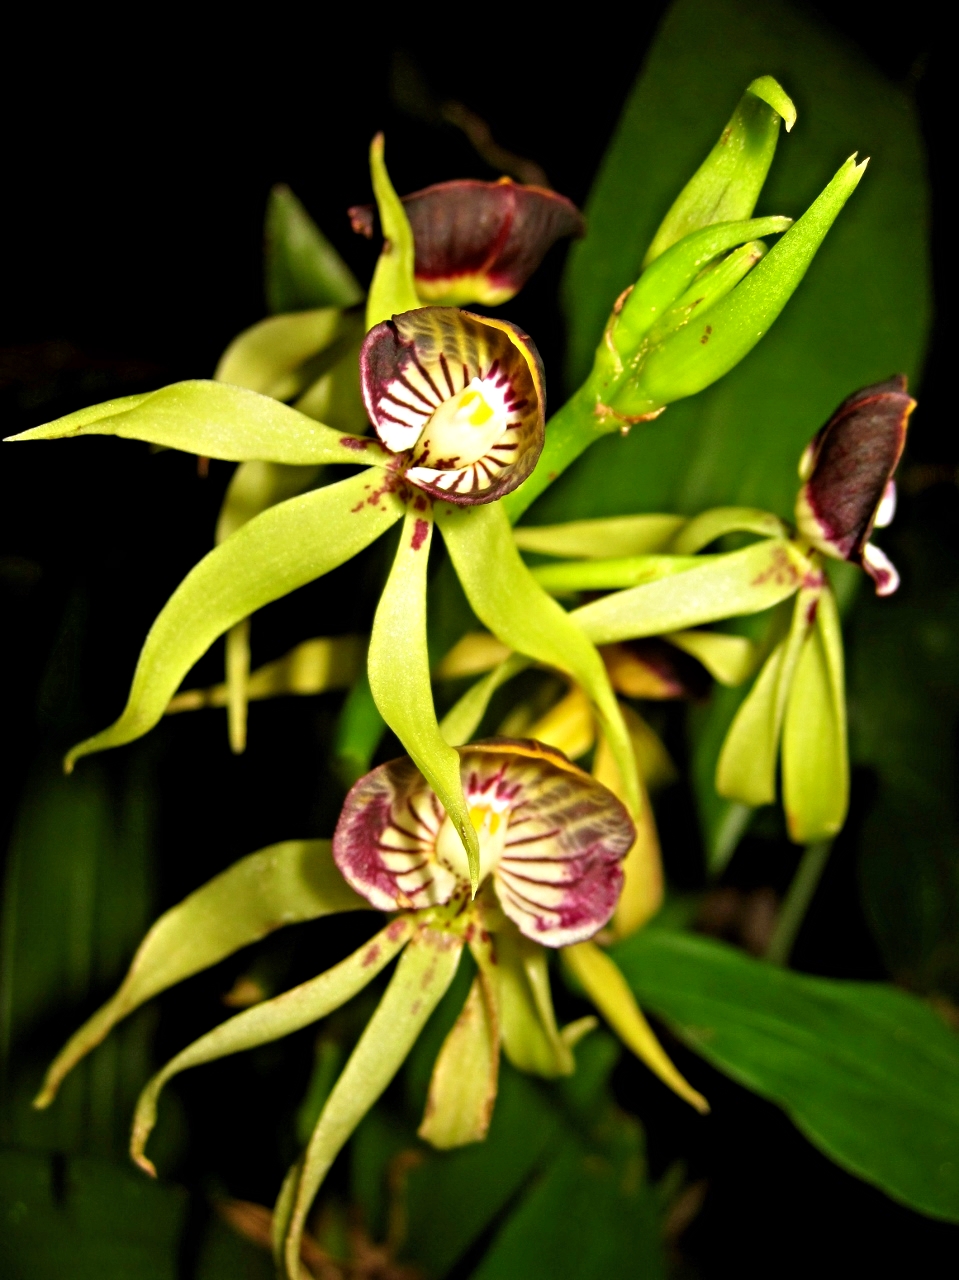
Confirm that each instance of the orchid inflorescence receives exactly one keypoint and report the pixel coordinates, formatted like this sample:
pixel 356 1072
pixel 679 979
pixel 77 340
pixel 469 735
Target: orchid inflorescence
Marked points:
pixel 501 847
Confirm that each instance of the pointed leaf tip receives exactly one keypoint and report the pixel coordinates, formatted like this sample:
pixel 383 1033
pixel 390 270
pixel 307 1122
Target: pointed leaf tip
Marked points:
pixel 774 95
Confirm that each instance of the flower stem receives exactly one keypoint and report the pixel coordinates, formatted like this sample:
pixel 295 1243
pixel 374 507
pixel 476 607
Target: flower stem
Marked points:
pixel 801 892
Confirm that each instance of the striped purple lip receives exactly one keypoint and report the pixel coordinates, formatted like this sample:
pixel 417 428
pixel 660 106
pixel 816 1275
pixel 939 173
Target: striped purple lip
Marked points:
pixel 461 395
pixel 552 839
pixel 848 468
pixel 479 241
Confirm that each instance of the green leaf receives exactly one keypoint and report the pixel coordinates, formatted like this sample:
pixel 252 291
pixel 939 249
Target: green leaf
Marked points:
pixel 399 672
pixel 747 763
pixel 726 586
pixel 610 575
pixel 392 290
pixel 868 1073
pixel 280 550
pixel 599 539
pixel 509 601
pixel 359 730
pixel 815 756
pixel 463 719
pixel 215 421
pixel 303 270
pixel 727 184
pixel 583 1218
pixel 710 525
pixel 282 884
pixel 272 1019
pixel 425 971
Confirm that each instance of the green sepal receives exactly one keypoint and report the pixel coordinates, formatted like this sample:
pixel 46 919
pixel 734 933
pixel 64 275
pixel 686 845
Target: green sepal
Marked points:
pixel 611 575
pixel 668 278
pixel 519 976
pixel 422 977
pixel 600 539
pixel 815 760
pixel 729 659
pixel 746 770
pixel 282 884
pixel 215 421
pixel 725 586
pixel 716 523
pixel 277 356
pixel 463 719
pixel 282 549
pixel 393 289
pixel 727 184
pixel 509 601
pixel 302 269
pixel 399 671
pixel 696 356
pixel 271 1020
pixel 462 1092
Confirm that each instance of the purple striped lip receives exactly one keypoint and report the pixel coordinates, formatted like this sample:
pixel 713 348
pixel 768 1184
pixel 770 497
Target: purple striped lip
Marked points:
pixel 552 839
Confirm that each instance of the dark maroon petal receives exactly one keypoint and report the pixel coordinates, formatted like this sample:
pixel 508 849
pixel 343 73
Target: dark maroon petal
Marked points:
pixel 848 465
pixel 480 241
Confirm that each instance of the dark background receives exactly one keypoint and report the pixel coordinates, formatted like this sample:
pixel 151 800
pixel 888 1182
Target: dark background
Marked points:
pixel 136 167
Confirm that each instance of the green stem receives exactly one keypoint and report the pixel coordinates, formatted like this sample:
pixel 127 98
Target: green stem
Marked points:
pixel 800 895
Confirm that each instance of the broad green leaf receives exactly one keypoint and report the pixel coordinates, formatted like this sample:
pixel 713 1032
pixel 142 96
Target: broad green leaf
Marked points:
pixel 280 550
pixel 728 659
pixel 747 763
pixel 399 673
pixel 270 355
pixel 867 1072
pixel 610 575
pixel 271 1020
pixel 815 755
pixel 726 586
pixel 583 1218
pixel 727 184
pixel 392 290
pixel 461 722
pixel 697 355
pixel 215 421
pixel 280 885
pixel 314 666
pixel 605 985
pixel 426 969
pixel 706 528
pixel 600 539
pixel 462 1091
pixel 303 270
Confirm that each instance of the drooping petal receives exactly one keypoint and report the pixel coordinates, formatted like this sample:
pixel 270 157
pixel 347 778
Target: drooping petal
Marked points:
pixel 848 468
pixel 480 241
pixel 551 837
pixel 464 394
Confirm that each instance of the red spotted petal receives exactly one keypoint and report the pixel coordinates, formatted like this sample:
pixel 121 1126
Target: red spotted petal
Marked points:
pixel 479 241
pixel 847 469
pixel 552 838
pixel 462 394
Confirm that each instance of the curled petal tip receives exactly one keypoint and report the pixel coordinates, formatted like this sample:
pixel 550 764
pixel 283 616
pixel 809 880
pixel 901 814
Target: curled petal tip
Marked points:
pixel 881 569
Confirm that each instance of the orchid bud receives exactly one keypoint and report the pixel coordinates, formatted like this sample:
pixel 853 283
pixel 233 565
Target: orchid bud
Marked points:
pixel 479 241
pixel 847 469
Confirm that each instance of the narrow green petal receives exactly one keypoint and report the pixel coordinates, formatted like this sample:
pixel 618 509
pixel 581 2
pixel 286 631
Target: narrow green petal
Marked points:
pixel 268 357
pixel 608 990
pixel 215 421
pixel 462 1092
pixel 508 600
pixel 709 526
pixel 601 539
pixel 815 757
pixel 280 885
pixel 463 719
pixel 282 549
pixel 271 1020
pixel 520 978
pixel 611 575
pixel 301 266
pixel 399 670
pixel 422 977
pixel 728 659
pixel 727 184
pixel 746 770
pixel 727 586
pixel 393 290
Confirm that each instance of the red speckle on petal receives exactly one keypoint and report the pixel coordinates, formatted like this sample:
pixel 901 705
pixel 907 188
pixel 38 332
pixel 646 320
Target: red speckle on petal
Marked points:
pixel 420 531
pixel 351 442
pixel 395 930
pixel 372 955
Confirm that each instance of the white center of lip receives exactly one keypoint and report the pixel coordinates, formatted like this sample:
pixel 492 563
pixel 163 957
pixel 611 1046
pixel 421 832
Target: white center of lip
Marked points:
pixel 490 826
pixel 464 427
